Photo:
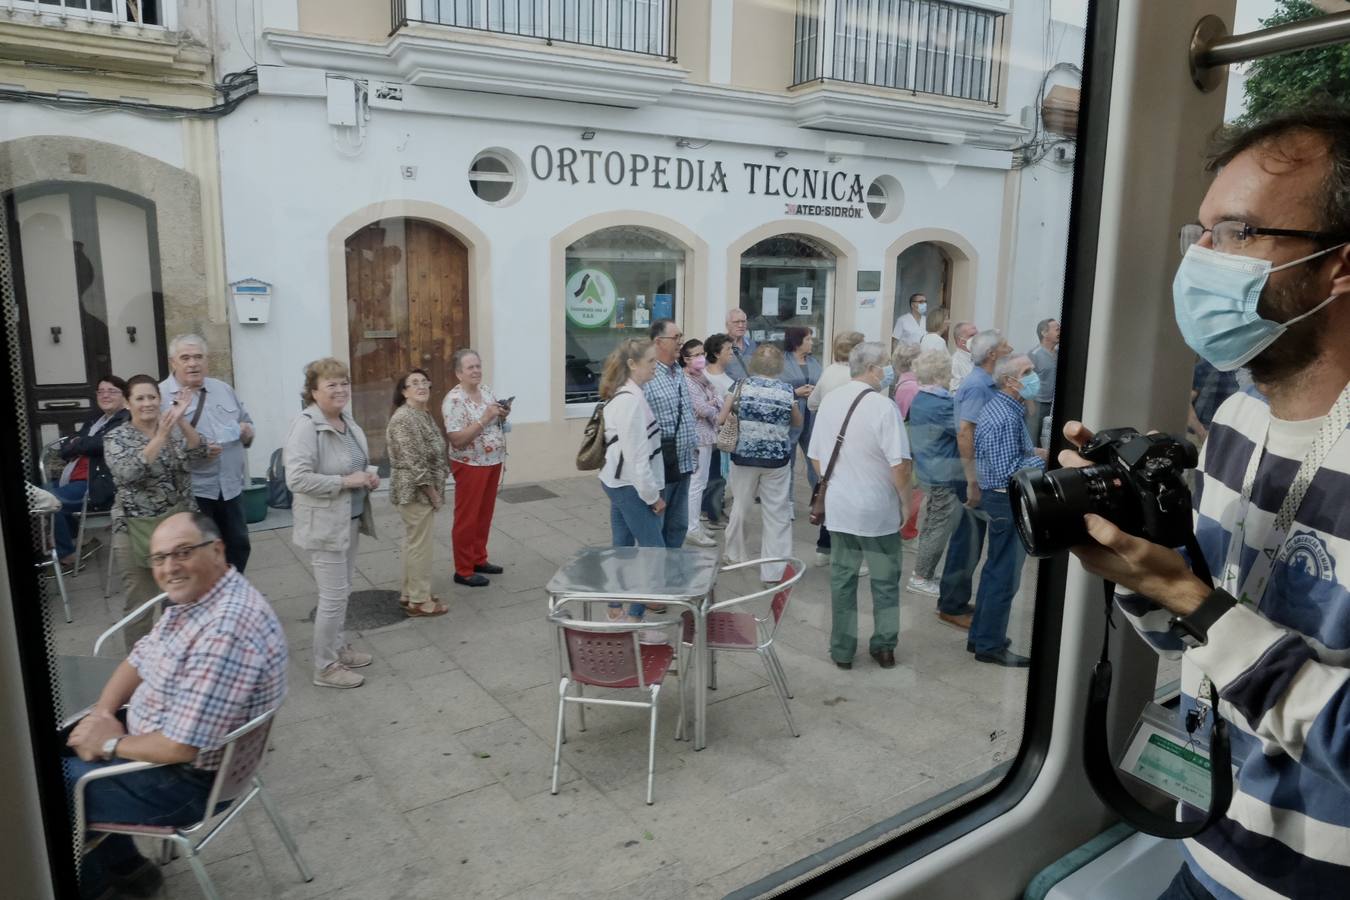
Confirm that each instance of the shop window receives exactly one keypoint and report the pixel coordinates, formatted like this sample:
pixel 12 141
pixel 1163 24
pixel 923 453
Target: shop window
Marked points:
pixel 619 280
pixel 493 178
pixel 787 280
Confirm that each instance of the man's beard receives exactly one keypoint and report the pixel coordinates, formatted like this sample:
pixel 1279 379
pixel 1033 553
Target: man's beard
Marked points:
pixel 1296 349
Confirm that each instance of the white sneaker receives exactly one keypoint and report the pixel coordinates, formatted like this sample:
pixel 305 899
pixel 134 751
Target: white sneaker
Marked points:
pixel 336 675
pixel 352 658
pixel 923 586
pixel 822 559
pixel 699 539
pixel 863 571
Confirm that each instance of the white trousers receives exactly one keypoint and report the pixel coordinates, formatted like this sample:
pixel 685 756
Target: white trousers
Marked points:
pixel 775 505
pixel 333 573
pixel 697 482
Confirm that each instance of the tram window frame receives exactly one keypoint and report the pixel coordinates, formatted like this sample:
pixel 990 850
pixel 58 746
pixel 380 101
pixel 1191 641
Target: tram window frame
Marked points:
pixel 868 857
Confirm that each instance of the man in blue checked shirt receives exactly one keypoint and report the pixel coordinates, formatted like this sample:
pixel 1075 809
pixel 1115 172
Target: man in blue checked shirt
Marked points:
pixel 1002 447
pixel 668 396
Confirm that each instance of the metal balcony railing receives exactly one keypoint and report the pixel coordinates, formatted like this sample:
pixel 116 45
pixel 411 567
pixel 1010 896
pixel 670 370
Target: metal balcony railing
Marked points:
pixel 116 12
pixel 633 26
pixel 920 46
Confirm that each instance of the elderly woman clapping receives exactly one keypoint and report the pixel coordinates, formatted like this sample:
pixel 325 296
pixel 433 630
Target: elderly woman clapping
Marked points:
pixel 327 459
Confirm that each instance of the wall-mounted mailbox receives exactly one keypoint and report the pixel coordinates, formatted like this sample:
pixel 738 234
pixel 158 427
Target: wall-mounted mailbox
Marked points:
pixel 252 301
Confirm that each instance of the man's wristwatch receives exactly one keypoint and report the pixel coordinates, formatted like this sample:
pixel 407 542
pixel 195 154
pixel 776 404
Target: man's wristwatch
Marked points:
pixel 110 746
pixel 1193 629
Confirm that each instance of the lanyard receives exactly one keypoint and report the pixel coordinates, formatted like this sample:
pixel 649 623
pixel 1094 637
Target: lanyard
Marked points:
pixel 1253 586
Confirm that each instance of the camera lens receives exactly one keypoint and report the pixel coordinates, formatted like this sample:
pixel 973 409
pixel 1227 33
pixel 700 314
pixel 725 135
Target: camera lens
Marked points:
pixel 1049 506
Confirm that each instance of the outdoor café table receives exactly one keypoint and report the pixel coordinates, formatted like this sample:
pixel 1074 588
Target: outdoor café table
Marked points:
pixel 82 679
pixel 681 577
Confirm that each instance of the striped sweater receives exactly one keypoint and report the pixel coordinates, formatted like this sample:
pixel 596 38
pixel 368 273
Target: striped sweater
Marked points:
pixel 1280 668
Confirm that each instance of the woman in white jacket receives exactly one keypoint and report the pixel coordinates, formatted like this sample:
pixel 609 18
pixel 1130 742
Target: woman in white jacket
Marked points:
pixel 632 475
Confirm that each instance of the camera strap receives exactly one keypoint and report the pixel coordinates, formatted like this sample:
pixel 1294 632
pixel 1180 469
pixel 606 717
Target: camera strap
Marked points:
pixel 1252 588
pixel 1103 775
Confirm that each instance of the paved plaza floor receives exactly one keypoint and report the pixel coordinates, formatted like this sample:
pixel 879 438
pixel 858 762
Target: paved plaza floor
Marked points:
pixel 432 780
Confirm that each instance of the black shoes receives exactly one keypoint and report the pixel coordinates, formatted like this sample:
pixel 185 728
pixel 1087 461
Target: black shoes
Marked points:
pixel 488 569
pixel 884 658
pixel 1004 657
pixel 970 645
pixel 474 580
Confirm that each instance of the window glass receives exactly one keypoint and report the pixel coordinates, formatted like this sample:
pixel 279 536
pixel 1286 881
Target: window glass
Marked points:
pixel 786 281
pixel 619 280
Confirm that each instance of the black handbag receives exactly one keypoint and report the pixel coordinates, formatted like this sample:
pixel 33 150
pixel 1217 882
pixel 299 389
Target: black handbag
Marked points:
pixel 278 495
pixel 670 453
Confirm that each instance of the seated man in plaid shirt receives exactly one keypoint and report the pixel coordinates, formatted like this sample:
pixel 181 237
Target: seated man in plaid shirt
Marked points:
pixel 214 661
pixel 1002 447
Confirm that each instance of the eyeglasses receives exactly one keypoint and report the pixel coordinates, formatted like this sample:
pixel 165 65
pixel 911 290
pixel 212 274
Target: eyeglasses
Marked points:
pixel 178 553
pixel 677 337
pixel 1232 237
pixel 108 392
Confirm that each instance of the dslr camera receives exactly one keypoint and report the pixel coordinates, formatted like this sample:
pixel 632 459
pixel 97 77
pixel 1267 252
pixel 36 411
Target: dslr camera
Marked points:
pixel 1136 481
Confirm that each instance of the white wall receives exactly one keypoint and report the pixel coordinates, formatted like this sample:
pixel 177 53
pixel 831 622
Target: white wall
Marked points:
pixel 286 185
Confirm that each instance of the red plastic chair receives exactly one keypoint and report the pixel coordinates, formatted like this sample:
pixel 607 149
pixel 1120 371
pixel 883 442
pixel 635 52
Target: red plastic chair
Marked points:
pixel 734 628
pixel 610 655
pixel 236 782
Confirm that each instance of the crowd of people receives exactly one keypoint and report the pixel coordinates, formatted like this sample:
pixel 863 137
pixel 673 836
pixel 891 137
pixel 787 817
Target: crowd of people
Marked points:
pixel 933 460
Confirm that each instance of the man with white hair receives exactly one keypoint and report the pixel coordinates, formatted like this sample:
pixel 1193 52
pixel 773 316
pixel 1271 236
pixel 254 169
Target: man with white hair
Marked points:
pixel 963 550
pixel 742 345
pixel 219 416
pixel 961 361
pixel 868 498
pixel 1002 446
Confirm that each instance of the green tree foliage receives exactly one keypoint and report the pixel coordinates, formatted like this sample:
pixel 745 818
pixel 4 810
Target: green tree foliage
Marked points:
pixel 1308 78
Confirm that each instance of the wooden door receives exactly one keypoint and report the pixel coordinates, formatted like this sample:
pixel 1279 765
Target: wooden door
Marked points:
pixel 408 306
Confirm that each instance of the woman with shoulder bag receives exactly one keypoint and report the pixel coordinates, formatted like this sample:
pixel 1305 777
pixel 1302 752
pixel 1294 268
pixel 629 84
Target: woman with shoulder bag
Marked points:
pixel 633 475
pixel 717 349
pixel 85 473
pixel 768 412
pixel 148 457
pixel 328 472
pixel 707 401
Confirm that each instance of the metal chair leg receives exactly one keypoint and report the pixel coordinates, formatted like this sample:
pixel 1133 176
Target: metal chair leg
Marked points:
pixel 651 745
pixel 712 670
pixel 778 666
pixel 107 579
pixel 682 675
pixel 558 737
pixel 581 707
pixel 199 869
pixel 283 830
pixel 61 585
pixel 781 689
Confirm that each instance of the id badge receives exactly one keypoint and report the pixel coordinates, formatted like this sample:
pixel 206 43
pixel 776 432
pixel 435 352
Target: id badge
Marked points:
pixel 1162 755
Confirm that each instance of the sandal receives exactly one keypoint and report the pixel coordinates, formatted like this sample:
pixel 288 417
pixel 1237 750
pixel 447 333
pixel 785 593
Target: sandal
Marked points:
pixel 416 610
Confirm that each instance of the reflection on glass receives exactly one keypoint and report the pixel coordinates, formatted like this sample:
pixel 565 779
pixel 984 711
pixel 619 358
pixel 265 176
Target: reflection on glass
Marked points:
pixel 787 280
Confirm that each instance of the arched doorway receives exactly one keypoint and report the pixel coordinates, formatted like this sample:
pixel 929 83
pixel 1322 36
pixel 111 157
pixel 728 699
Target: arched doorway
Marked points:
pixel 787 279
pixel 86 264
pixel 407 306
pixel 925 268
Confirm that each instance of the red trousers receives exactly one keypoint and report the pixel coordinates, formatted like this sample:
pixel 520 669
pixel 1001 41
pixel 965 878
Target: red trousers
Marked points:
pixel 475 498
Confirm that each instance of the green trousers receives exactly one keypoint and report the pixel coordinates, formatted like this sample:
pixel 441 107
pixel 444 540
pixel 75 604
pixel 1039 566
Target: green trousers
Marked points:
pixel 847 551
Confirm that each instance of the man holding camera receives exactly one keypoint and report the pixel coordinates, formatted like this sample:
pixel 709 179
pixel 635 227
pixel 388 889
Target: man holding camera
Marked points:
pixel 1270 639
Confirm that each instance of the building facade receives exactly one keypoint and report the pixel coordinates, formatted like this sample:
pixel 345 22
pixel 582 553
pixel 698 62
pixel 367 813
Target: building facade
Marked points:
pixel 539 179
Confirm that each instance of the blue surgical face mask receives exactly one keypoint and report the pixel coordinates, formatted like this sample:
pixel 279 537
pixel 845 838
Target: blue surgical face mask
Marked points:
pixel 887 378
pixel 1214 297
pixel 1031 386
pixel 923 308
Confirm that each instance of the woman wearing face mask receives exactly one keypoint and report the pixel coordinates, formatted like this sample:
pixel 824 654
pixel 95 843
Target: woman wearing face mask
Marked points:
pixel 801 371
pixel 148 459
pixel 707 401
pixel 418 470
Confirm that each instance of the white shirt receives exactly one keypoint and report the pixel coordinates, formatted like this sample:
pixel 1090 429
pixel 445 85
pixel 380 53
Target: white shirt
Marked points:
pixel 834 376
pixel 962 365
pixel 932 342
pixel 861 499
pixel 909 330
pixel 633 457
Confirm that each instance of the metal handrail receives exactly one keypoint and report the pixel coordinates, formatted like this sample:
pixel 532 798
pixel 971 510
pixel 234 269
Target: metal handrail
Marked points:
pixel 1212 47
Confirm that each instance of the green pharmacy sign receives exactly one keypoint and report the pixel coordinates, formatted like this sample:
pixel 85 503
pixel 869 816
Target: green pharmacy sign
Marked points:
pixel 590 298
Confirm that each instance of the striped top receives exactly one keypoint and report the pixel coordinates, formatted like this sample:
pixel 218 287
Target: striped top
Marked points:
pixel 1280 668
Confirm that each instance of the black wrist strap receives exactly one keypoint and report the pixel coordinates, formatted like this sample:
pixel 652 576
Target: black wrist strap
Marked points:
pixel 1098 764
pixel 1198 623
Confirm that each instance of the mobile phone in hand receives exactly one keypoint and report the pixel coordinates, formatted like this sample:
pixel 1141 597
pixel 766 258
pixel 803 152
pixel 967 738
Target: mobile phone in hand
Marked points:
pixel 507 402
